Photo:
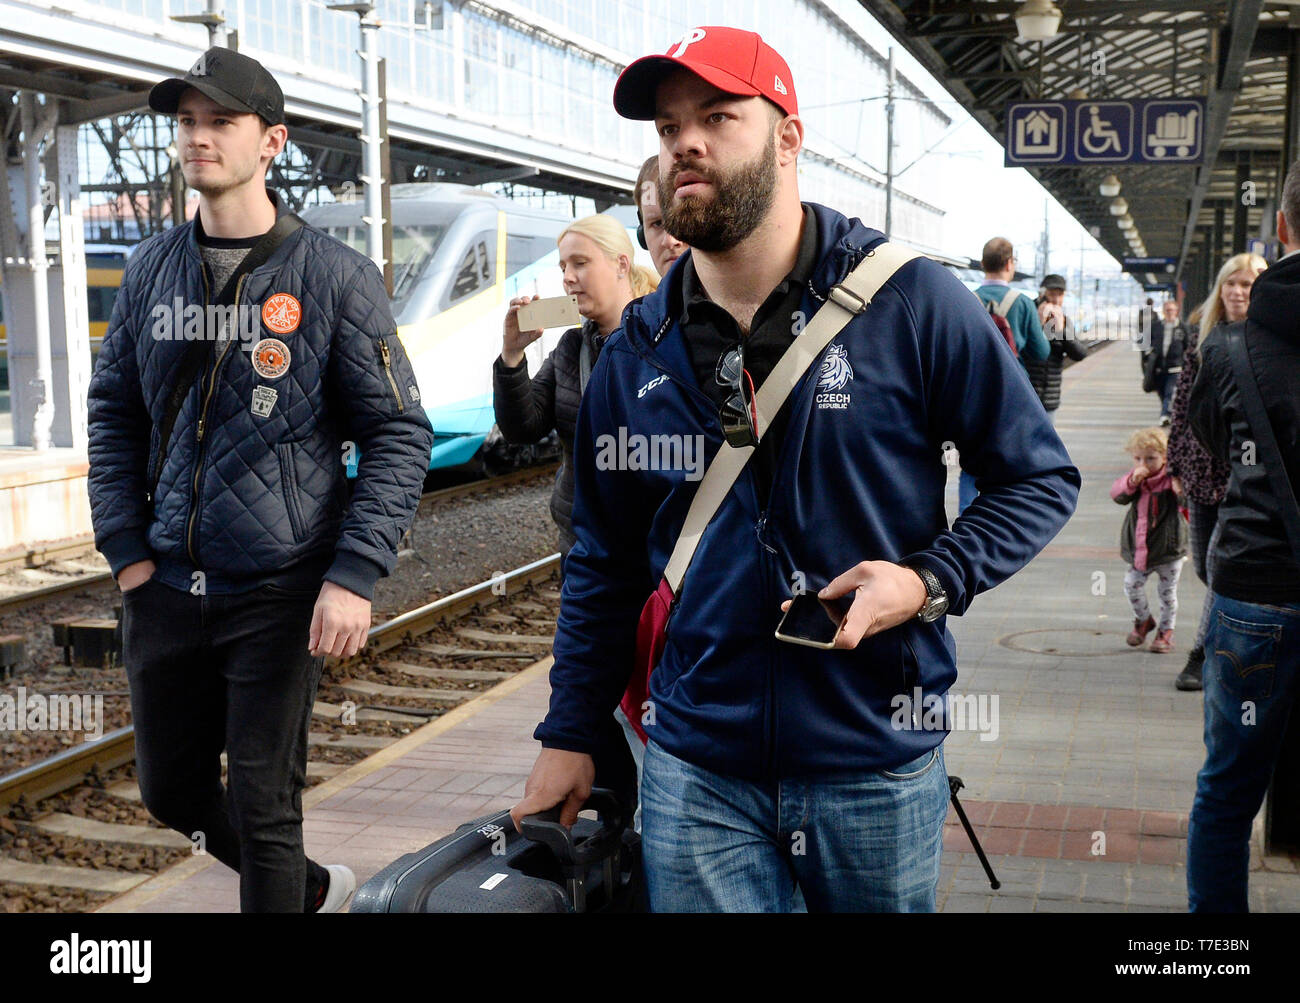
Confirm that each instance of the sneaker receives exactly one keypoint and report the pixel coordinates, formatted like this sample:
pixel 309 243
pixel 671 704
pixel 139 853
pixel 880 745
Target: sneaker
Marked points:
pixel 1190 677
pixel 342 884
pixel 1164 419
pixel 1141 628
pixel 1164 642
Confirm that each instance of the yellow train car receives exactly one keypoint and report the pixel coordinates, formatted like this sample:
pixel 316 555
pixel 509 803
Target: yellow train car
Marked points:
pixel 104 266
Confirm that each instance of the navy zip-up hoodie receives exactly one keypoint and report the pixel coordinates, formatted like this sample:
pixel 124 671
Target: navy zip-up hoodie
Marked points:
pixel 860 477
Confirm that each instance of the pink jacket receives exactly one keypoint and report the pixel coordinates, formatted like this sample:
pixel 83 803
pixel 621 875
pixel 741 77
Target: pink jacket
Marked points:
pixel 1154 531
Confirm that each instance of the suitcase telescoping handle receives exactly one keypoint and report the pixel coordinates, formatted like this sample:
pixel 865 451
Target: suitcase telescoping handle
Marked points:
pixel 575 856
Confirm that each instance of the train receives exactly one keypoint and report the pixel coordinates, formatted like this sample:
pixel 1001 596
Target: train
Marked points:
pixel 460 255
pixel 104 266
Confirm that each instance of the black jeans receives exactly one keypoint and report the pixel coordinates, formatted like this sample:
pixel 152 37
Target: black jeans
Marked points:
pixel 230 672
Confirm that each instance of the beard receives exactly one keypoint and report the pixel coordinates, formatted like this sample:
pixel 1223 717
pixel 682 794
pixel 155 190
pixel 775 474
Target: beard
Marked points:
pixel 742 198
pixel 210 186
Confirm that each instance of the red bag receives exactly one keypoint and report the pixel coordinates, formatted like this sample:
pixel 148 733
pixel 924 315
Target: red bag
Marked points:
pixel 1004 328
pixel 651 632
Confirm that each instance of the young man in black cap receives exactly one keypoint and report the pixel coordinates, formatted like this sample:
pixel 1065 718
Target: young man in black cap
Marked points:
pixel 246 356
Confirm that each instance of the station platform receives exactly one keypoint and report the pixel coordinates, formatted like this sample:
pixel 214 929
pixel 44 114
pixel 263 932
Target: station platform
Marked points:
pixel 44 499
pixel 1092 738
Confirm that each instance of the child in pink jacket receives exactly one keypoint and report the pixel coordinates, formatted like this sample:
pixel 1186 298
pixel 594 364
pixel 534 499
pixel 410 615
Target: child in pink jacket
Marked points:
pixel 1154 537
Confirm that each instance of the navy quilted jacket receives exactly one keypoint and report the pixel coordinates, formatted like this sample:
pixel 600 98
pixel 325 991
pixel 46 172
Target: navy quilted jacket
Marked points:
pixel 258 495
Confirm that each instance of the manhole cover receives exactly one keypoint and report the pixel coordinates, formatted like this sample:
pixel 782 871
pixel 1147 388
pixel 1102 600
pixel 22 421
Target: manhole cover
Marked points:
pixel 1079 642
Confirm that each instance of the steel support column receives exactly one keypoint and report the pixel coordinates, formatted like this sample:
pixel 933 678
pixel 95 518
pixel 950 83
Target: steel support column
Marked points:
pixel 1242 200
pixel 70 341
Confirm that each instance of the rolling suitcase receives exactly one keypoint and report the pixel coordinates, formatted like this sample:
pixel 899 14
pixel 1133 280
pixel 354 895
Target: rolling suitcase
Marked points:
pixel 485 866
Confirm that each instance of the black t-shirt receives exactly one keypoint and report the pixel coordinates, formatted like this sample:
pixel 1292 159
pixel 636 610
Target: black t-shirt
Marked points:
pixel 222 255
pixel 711 332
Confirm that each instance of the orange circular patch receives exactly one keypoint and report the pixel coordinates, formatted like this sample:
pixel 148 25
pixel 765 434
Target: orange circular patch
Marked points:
pixel 281 313
pixel 271 358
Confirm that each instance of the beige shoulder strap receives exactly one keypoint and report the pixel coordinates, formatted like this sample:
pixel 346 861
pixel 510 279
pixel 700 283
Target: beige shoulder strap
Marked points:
pixel 1008 301
pixel 850 298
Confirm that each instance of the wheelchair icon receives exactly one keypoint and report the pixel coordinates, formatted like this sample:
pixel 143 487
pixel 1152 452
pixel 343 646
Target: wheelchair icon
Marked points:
pixel 1100 136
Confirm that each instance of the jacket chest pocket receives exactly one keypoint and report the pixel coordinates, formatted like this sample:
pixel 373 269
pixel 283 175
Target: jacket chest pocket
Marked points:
pixel 289 488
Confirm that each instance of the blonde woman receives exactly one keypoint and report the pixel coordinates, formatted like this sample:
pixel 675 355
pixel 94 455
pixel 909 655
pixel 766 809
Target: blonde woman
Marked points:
pixel 1204 478
pixel 596 259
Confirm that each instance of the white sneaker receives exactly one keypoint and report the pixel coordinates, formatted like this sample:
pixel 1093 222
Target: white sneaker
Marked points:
pixel 342 884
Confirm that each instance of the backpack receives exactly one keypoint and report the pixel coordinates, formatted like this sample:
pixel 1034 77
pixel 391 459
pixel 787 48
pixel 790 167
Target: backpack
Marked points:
pixel 1000 321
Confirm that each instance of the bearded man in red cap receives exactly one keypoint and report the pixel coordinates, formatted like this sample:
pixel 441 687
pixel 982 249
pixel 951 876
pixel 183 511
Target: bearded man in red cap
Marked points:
pixel 770 765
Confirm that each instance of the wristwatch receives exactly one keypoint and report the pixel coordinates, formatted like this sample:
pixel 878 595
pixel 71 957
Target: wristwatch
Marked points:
pixel 936 602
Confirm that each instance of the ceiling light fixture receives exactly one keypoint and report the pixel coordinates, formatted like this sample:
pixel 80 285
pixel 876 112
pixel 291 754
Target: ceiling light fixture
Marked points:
pixel 1037 20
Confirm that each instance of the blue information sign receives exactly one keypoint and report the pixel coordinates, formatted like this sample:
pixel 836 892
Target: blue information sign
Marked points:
pixel 1156 265
pixel 1102 131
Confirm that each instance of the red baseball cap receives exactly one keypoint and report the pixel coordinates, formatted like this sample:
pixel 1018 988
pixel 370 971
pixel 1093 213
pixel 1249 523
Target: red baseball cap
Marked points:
pixel 735 61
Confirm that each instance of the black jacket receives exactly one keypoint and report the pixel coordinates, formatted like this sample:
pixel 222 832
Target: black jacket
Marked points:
pixel 258 497
pixel 1177 335
pixel 1045 374
pixel 1253 560
pixel 527 410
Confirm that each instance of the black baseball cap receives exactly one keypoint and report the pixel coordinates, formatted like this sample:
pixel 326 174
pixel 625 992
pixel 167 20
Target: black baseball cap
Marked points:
pixel 1054 282
pixel 232 80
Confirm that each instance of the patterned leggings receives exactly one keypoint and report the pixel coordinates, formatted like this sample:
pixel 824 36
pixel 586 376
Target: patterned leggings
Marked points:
pixel 1135 587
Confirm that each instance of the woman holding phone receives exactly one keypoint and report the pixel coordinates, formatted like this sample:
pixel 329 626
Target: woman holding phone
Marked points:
pixel 596 259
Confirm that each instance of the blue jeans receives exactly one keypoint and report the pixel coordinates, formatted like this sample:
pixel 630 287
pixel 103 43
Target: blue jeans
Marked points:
pixel 1252 654
pixel 852 842
pixel 965 491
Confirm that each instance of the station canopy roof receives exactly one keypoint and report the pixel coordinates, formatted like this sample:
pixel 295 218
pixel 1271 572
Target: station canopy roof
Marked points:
pixel 1233 53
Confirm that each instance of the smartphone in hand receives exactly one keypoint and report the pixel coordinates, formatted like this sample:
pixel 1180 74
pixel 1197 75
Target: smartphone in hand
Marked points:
pixel 554 311
pixel 814 622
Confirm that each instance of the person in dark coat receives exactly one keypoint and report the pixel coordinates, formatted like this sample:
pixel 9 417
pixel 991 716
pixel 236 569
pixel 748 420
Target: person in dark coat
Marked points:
pixel 1171 367
pixel 242 557
pixel 596 258
pixel 1205 477
pixel 1252 663
pixel 1151 336
pixel 1045 374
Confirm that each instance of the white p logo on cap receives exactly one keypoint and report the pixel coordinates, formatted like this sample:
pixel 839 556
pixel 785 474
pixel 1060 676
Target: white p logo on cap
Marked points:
pixel 691 37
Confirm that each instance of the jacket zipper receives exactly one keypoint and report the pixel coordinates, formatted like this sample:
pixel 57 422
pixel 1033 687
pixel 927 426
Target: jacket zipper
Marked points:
pixel 203 416
pixel 388 371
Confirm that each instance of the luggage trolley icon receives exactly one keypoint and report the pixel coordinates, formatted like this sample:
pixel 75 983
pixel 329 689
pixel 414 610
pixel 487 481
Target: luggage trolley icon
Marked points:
pixel 1175 134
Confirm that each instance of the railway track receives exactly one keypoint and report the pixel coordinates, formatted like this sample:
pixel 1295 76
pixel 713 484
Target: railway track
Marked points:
pixel 73 832
pixel 60 570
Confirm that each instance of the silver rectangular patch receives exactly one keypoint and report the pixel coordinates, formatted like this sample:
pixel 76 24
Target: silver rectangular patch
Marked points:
pixel 263 401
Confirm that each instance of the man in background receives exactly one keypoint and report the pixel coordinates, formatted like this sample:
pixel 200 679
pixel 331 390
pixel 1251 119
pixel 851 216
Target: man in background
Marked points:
pixel 1045 374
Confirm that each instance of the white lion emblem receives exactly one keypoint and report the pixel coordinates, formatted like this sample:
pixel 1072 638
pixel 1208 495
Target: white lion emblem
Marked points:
pixel 835 371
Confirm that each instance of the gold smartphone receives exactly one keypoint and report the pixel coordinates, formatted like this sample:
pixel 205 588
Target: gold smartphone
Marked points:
pixel 554 311
pixel 811 621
